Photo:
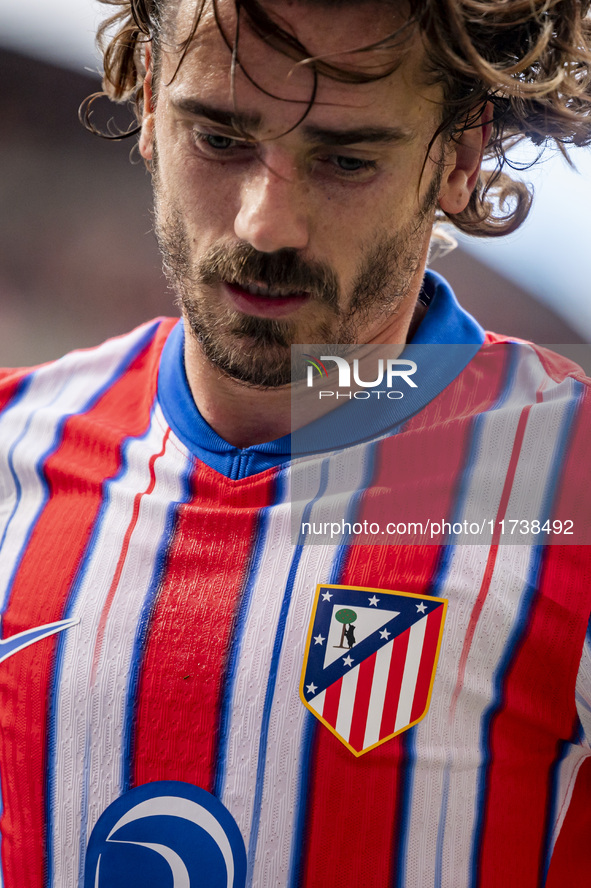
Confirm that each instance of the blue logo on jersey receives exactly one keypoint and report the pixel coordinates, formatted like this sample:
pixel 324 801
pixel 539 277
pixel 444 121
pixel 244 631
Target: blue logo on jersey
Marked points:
pixel 10 646
pixel 166 834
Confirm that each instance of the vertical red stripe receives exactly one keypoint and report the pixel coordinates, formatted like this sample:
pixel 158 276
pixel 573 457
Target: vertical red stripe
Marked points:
pixel 332 698
pixel 426 665
pixel 361 705
pixel 358 807
pixel 394 685
pixel 185 656
pixel 88 454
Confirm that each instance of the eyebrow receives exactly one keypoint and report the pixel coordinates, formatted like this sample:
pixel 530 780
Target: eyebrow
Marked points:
pixel 248 122
pixel 234 119
pixel 328 136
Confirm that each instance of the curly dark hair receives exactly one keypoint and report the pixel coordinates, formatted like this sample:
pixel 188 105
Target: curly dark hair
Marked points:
pixel 530 58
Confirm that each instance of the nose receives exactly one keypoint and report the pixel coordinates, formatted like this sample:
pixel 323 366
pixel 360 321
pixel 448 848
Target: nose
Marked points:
pixel 272 214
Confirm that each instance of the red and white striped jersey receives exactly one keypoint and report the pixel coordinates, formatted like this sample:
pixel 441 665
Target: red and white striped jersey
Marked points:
pixel 170 665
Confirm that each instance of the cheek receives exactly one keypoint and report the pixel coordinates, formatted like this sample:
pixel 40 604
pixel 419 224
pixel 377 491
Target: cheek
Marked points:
pixel 388 201
pixel 202 196
pixel 354 224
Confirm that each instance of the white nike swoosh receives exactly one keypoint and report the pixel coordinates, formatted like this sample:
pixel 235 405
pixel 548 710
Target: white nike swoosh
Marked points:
pixel 15 643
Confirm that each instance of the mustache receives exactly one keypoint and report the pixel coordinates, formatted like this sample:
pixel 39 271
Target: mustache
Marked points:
pixel 284 270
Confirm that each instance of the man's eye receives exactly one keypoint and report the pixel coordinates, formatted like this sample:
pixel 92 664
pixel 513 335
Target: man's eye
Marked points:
pixel 216 142
pixel 347 165
pixel 350 164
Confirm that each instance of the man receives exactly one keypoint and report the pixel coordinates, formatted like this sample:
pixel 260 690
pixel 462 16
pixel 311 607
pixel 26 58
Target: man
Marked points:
pixel 176 706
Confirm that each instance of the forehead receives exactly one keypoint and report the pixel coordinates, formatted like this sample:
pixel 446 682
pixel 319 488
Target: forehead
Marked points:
pixel 323 27
pixel 267 72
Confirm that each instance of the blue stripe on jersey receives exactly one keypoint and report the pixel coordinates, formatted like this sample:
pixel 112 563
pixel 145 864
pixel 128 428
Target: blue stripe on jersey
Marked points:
pixel 270 691
pixel 401 833
pixel 251 575
pixel 352 508
pixel 144 622
pixel 441 824
pixel 70 604
pixel 298 853
pixel 469 464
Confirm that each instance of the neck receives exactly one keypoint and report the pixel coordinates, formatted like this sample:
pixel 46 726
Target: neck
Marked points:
pixel 240 414
pixel 244 415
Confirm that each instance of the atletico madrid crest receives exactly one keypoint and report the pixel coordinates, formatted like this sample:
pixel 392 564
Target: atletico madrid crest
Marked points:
pixel 370 662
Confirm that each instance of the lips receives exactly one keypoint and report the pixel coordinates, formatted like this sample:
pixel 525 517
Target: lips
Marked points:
pixel 263 301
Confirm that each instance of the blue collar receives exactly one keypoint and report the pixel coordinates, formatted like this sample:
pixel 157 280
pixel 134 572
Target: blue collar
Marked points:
pixel 443 345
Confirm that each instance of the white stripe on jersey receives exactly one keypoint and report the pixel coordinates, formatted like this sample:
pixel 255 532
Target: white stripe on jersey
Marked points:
pixel 378 694
pixel 411 671
pixel 347 702
pixel 282 760
pixel 86 767
pixel 29 428
pixel 317 702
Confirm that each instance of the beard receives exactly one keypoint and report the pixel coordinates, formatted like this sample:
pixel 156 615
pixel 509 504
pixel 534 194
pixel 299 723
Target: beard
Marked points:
pixel 256 350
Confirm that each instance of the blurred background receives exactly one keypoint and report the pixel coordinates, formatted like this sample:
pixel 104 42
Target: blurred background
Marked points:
pixel 78 261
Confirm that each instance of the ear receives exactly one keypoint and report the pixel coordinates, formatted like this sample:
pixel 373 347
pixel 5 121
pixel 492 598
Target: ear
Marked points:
pixel 146 142
pixel 463 164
